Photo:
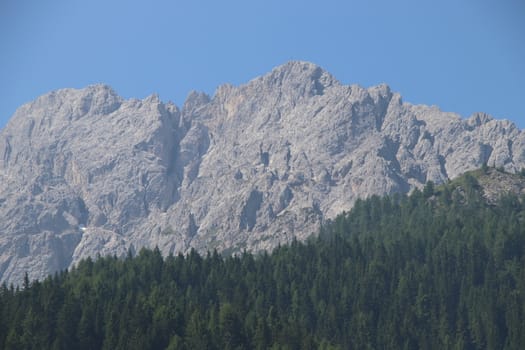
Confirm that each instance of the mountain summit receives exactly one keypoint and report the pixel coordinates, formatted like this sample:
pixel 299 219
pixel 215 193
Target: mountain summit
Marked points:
pixel 85 172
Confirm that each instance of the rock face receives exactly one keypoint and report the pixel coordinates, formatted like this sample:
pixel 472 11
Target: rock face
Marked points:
pixel 84 172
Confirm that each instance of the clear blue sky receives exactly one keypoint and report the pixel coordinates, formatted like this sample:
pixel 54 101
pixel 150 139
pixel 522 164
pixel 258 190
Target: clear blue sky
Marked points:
pixel 462 55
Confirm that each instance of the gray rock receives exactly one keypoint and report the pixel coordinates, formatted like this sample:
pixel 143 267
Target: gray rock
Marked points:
pixel 84 172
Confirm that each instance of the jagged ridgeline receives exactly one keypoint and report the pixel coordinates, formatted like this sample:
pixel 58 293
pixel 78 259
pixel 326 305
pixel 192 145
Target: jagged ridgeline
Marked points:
pixel 86 172
pixel 443 268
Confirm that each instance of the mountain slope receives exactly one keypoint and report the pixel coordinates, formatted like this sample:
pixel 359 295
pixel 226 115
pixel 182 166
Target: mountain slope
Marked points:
pixel 439 269
pixel 84 172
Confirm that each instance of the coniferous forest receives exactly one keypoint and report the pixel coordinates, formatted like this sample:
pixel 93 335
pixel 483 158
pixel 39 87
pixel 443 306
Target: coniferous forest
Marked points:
pixel 439 269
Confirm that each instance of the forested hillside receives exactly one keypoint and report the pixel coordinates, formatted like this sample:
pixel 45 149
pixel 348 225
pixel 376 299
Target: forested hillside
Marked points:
pixel 439 269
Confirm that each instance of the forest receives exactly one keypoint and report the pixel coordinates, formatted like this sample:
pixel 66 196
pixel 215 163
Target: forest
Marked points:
pixel 438 269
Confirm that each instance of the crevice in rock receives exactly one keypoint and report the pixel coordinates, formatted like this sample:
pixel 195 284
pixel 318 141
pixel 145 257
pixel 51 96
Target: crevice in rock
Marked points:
pixel 248 217
pixel 442 166
pixel 192 226
pixel 264 156
pixel 7 151
pixel 485 153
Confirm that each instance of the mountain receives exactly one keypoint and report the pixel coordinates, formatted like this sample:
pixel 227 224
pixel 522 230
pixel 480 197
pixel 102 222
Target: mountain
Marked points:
pixel 85 172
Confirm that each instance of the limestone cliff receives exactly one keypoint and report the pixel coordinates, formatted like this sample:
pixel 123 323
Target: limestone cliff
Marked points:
pixel 85 172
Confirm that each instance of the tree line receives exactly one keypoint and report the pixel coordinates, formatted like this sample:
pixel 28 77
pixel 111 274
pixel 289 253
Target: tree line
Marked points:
pixel 439 269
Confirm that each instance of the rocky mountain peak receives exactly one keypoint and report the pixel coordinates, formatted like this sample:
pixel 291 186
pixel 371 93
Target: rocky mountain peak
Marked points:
pixel 298 78
pixel 85 172
pixel 478 119
pixel 195 100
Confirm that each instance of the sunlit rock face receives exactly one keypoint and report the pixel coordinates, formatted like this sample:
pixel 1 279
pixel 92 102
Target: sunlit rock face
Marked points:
pixel 85 172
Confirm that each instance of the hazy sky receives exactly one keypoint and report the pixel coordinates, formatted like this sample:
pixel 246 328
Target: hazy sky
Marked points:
pixel 462 55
